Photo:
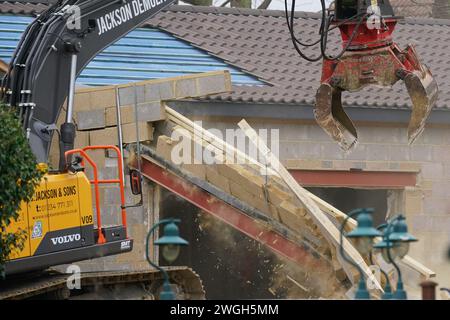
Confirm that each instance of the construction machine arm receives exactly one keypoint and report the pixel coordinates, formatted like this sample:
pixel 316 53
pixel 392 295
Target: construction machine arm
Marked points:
pixel 54 50
pixel 369 56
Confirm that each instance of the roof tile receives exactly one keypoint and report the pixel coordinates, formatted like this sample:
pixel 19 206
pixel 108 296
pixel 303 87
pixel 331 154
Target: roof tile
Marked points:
pixel 258 42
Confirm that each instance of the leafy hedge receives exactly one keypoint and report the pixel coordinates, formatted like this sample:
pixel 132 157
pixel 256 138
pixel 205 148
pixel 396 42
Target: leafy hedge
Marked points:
pixel 18 178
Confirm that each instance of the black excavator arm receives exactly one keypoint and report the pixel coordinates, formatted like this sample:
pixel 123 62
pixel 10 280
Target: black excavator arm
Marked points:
pixel 53 51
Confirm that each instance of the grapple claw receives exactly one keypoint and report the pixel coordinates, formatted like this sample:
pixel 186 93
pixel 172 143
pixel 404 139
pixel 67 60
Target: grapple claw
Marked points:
pixel 370 57
pixel 423 90
pixel 331 116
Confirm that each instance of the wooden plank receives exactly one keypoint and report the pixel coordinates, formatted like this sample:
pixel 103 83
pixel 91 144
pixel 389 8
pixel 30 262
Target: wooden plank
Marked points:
pixel 333 212
pixel 328 229
pixel 212 139
pixel 417 266
pixel 351 223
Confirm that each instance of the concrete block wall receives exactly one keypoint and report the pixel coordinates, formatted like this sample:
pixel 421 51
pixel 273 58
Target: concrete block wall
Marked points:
pixel 426 205
pixel 95 108
pixel 246 184
pixel 96 121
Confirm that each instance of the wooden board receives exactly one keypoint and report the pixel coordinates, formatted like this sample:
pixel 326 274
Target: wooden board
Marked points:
pixel 417 266
pixel 211 138
pixel 425 272
pixel 328 229
pixel 219 145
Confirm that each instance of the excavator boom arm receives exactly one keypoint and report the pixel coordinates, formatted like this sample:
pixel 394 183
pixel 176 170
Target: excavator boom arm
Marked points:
pixel 40 76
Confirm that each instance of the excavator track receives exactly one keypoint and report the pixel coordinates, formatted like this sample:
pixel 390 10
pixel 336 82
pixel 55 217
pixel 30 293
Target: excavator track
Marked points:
pixel 135 285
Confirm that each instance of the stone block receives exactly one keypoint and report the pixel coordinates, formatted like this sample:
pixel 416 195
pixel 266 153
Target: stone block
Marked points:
pixel 136 216
pixel 440 189
pixel 159 91
pixel 410 166
pixel 108 172
pixel 433 171
pixel 240 193
pixel 112 163
pixel 394 166
pixel 185 88
pixel 197 170
pixel 252 183
pixel 332 151
pixel 440 224
pixel 82 101
pixel 103 98
pixel 276 195
pixel 399 153
pixel 126 96
pixel 110 215
pixel 211 84
pixel 81 139
pixel 293 132
pixel 413 205
pixel 274 212
pixel 377 152
pixel 129 132
pixel 427 185
pixel 288 216
pixel 111 117
pixel 327 164
pixel 112 195
pixel 420 223
pixel 130 94
pixel 213 176
pixel 164 147
pixel 98 156
pixel 434 136
pixel 357 153
pixel 106 136
pixel 264 207
pixel 301 150
pixel 93 119
pixel 312 164
pixel 360 165
pixel 421 153
pixel 148 112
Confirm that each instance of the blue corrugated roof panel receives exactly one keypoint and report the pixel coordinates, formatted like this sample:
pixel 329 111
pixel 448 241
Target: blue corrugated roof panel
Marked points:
pixel 141 55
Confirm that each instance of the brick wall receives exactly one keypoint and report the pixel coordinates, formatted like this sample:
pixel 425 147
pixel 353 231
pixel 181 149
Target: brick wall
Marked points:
pixel 426 206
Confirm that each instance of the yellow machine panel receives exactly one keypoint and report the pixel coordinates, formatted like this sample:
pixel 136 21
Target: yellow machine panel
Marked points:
pixel 38 215
pixel 85 193
pixel 58 217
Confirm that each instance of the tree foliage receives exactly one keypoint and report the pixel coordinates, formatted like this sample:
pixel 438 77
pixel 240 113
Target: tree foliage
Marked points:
pixel 18 178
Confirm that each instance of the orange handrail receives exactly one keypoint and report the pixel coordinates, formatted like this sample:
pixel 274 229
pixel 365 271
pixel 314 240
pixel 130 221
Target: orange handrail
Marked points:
pixel 96 182
pixel 101 238
pixel 120 180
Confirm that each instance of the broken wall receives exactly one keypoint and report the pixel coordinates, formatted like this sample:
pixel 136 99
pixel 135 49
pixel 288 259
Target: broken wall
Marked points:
pixel 304 145
pixel 95 117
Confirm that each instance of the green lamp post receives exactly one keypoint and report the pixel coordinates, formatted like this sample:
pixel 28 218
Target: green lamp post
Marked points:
pixel 395 244
pixel 170 244
pixel 387 295
pixel 363 235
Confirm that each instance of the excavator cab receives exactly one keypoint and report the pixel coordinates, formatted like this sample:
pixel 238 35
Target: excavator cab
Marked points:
pixel 59 222
pixel 371 57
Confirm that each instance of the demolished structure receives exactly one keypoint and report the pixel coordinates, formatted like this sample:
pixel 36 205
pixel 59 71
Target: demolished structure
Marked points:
pixel 257 199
